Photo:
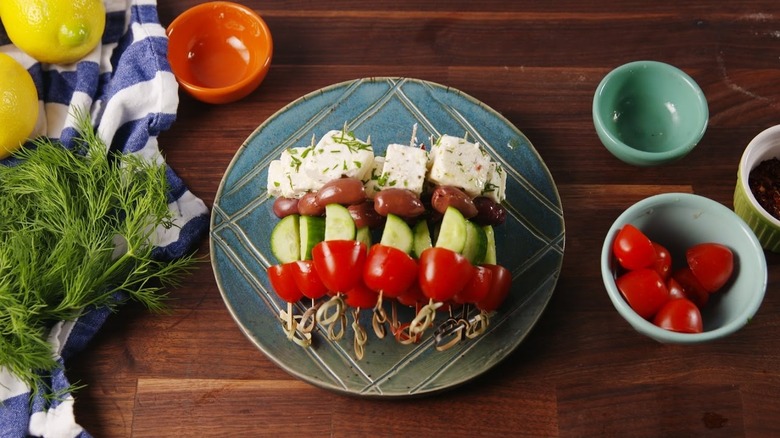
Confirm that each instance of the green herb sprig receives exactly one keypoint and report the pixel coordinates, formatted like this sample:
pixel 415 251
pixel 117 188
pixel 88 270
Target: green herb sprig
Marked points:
pixel 76 232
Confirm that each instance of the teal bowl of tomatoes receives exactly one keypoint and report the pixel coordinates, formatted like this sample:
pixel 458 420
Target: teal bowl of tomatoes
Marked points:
pixel 681 268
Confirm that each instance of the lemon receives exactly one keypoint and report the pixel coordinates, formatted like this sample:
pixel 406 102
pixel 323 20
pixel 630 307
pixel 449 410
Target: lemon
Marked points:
pixel 54 31
pixel 18 105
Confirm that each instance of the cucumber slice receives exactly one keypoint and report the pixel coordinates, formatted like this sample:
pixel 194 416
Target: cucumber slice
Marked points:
pixel 476 243
pixel 452 233
pixel 397 234
pixel 363 234
pixel 422 238
pixel 339 224
pixel 490 250
pixel 312 230
pixel 285 240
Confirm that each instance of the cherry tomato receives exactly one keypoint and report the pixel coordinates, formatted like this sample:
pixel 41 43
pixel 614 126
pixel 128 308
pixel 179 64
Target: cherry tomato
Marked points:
pixel 711 263
pixel 499 288
pixel 389 270
pixel 477 288
pixel 283 281
pixel 308 280
pixel 361 297
pixel 680 316
pixel 645 291
pixel 633 249
pixel 663 261
pixel 339 263
pixel 675 290
pixel 692 289
pixel 412 296
pixel 443 273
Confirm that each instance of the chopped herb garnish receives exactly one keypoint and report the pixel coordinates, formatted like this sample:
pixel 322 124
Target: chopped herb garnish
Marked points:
pixel 296 163
pixel 352 143
pixel 489 187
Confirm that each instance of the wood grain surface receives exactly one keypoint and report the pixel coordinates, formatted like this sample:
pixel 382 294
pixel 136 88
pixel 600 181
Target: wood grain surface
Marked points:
pixel 582 371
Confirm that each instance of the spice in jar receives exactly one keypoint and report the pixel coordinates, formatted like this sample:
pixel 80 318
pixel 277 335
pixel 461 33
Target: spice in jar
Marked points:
pixel 764 182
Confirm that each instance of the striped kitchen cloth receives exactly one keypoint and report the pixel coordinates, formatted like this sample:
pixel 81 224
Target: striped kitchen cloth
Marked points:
pixel 132 96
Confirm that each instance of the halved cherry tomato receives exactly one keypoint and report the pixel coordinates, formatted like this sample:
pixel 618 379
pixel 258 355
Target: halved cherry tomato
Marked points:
pixel 663 261
pixel 412 296
pixel 500 285
pixel 477 288
pixel 283 281
pixel 691 287
pixel 361 296
pixel 308 280
pixel 711 263
pixel 679 315
pixel 633 249
pixel 443 273
pixel 389 270
pixel 339 263
pixel 644 290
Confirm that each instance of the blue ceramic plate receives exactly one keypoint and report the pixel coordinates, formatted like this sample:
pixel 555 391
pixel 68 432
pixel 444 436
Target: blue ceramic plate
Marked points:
pixel 530 243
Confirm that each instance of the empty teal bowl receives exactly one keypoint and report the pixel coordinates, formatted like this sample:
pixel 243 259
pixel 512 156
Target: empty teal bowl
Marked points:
pixel 648 113
pixel 679 221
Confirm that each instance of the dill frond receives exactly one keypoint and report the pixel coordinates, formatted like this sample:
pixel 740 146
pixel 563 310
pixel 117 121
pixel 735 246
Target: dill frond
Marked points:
pixel 77 231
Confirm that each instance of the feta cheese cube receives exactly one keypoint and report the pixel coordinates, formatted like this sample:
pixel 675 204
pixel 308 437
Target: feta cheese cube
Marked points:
pixel 277 181
pixel 294 159
pixel 286 174
pixel 405 167
pixel 495 188
pixel 459 163
pixel 336 155
pixel 371 180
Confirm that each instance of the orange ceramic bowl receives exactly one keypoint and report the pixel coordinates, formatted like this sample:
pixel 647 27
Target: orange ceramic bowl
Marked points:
pixel 219 51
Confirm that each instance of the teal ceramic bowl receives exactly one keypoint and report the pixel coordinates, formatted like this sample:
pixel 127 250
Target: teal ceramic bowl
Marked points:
pixel 678 221
pixel 764 146
pixel 648 113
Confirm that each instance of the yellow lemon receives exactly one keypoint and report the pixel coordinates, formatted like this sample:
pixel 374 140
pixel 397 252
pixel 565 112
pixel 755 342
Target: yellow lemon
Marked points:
pixel 54 31
pixel 18 105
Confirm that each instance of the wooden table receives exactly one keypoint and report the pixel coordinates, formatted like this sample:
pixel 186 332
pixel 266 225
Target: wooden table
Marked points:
pixel 582 371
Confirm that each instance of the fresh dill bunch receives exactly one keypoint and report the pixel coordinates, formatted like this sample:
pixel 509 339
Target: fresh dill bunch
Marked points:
pixel 77 230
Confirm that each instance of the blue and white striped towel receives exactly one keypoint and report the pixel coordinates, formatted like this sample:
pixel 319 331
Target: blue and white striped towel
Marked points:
pixel 132 96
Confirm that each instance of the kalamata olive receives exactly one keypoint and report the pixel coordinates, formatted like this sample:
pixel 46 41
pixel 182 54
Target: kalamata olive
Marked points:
pixel 489 211
pixel 284 207
pixel 364 214
pixel 448 196
pixel 400 202
pixel 308 205
pixel 344 191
